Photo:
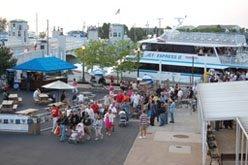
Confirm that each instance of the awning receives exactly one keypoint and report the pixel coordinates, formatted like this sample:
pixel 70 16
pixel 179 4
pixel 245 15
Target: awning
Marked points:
pixel 45 64
pixel 223 101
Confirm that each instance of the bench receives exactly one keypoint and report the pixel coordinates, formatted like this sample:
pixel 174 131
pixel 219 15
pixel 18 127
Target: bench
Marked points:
pixel 15 107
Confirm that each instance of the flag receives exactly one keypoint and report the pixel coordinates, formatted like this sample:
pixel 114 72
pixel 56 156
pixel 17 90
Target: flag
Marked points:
pixel 117 12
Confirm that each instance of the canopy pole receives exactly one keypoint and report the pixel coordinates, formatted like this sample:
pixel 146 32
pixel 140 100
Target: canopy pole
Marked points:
pixel 237 144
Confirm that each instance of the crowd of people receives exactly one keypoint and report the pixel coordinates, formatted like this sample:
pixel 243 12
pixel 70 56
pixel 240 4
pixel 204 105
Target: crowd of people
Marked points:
pixel 225 76
pixel 90 120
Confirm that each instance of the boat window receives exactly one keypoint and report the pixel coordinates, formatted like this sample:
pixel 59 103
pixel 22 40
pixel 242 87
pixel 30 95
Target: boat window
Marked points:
pixel 201 51
pixel 226 51
pixel 173 48
pixel 147 66
pixel 182 69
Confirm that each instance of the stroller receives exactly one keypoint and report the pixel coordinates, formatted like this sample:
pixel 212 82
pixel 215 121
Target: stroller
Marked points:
pixel 77 134
pixel 123 119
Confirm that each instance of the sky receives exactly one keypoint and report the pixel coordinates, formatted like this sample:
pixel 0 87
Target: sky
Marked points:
pixel 73 14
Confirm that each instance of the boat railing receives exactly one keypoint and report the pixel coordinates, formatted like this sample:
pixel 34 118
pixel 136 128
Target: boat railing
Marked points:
pixel 240 59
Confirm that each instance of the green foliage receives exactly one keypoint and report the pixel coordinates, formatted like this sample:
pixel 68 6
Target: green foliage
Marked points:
pixel 137 34
pixel 103 54
pixel 6 59
pixel 42 35
pixel 104 31
pixel 124 64
pixel 3 24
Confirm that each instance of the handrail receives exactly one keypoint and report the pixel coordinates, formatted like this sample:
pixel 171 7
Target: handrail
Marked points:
pixel 242 128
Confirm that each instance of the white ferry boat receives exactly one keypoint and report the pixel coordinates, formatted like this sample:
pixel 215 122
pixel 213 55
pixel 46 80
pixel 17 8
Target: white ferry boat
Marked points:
pixel 182 56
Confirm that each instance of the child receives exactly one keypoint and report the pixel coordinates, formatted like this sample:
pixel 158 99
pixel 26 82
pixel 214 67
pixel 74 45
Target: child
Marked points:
pixel 108 124
pixel 98 123
pixel 143 124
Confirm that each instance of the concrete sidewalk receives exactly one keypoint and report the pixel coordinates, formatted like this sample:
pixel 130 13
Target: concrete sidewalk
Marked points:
pixel 173 144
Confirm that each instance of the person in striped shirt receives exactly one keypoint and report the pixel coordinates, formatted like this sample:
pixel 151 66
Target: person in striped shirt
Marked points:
pixel 144 122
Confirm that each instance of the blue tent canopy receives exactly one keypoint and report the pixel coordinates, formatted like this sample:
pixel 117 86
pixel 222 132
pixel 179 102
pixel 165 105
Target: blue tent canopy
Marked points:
pixel 45 64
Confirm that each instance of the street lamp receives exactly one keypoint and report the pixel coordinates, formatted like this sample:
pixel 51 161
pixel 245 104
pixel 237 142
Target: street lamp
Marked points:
pixel 137 51
pixel 83 76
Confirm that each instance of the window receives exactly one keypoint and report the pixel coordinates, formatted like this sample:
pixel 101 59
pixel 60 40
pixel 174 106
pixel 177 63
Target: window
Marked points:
pixel 182 69
pixel 19 34
pixel 5 121
pixel 114 34
pixel 147 66
pixel 13 25
pixel 20 27
pixel 172 48
pixel 119 34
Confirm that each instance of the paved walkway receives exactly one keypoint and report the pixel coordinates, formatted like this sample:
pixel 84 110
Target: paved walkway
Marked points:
pixel 162 146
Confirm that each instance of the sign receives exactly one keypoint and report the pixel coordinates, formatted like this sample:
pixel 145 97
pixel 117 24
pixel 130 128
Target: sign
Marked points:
pixel 162 56
pixel 179 57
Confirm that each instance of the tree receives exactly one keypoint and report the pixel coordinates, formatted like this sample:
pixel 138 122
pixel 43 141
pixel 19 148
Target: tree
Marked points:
pixel 42 35
pixel 3 24
pixel 124 63
pixel 104 31
pixel 136 34
pixel 6 59
pixel 103 54
pixel 96 53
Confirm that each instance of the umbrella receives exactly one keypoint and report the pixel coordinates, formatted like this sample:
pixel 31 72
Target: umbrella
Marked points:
pixel 58 85
pixel 148 79
pixel 98 72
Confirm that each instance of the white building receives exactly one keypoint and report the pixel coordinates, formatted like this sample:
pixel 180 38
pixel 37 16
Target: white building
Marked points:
pixel 92 33
pixel 116 32
pixel 19 29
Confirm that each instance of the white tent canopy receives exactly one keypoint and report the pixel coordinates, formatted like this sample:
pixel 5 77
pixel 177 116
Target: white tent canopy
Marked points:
pixel 224 101
pixel 58 85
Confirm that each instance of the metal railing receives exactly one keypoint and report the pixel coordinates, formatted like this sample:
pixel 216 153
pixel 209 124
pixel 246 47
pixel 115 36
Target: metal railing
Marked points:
pixel 241 144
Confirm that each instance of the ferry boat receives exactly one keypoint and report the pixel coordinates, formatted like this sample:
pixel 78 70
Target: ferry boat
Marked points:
pixel 183 56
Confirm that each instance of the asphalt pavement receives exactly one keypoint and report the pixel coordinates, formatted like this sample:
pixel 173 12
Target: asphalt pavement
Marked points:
pixel 45 149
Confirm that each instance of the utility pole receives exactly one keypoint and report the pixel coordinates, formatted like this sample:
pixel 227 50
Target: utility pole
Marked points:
pixel 147 28
pixel 159 25
pixel 47 37
pixel 37 28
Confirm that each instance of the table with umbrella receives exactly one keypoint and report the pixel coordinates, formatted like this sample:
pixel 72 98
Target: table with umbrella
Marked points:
pixel 58 85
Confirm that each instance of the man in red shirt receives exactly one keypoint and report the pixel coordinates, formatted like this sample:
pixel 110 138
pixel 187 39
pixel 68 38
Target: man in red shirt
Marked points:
pixel 55 113
pixel 95 107
pixel 119 99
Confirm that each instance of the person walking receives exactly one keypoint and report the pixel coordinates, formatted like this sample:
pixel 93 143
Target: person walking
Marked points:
pixel 144 122
pixel 108 124
pixel 98 124
pixel 63 124
pixel 172 109
pixel 152 112
pixel 163 114
pixel 55 113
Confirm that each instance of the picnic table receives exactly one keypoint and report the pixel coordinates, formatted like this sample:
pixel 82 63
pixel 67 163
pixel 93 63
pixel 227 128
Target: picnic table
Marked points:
pixel 7 103
pixel 13 96
pixel 27 111
pixel 8 106
pixel 44 98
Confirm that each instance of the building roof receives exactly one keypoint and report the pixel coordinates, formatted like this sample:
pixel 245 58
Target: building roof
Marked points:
pixel 45 64
pixel 223 101
pixel 18 20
